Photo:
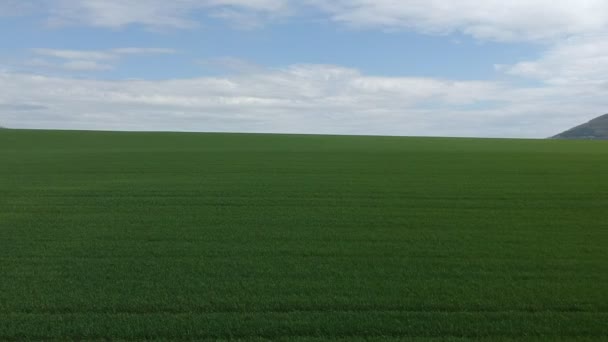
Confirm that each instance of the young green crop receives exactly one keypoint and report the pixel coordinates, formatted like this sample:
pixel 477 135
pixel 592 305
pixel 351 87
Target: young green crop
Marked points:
pixel 233 236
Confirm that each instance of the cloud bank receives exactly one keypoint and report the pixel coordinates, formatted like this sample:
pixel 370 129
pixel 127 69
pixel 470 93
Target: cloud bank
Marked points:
pixel 296 99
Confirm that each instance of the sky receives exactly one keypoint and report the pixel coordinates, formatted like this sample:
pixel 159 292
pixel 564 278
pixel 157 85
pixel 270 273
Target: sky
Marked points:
pixel 492 68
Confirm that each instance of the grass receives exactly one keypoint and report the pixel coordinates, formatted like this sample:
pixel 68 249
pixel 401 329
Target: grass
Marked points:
pixel 165 236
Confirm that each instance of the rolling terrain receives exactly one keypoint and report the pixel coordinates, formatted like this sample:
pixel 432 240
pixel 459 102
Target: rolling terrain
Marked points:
pixel 166 236
pixel 596 129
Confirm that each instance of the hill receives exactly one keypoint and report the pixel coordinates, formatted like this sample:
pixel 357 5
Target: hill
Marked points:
pixel 253 237
pixel 596 129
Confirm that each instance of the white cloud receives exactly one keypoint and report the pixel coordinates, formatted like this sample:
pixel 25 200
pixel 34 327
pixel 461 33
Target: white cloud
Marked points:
pixel 512 20
pixel 142 51
pixel 298 99
pixel 76 54
pixel 155 13
pixel 88 60
pixel 230 65
pixel 575 61
pixel 85 66
pixel 95 55
pixel 72 65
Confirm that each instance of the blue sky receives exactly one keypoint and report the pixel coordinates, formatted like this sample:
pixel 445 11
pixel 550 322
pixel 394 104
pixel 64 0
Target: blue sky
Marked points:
pixel 411 67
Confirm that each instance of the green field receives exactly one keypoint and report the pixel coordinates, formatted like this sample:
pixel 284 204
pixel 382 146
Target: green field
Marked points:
pixel 167 236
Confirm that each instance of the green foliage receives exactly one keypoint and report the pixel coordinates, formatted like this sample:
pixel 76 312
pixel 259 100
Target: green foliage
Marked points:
pixel 223 236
